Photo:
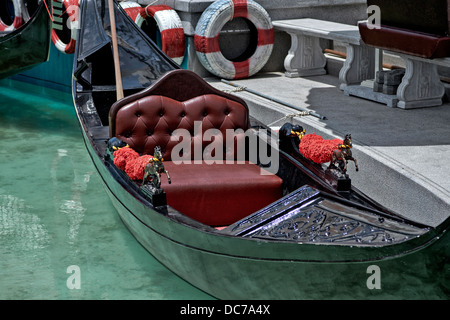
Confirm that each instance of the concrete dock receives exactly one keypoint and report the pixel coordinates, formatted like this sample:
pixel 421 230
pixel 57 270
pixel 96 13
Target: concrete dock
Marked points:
pixel 403 155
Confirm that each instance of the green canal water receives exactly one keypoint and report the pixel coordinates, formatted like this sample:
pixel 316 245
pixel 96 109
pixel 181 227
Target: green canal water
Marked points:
pixel 60 236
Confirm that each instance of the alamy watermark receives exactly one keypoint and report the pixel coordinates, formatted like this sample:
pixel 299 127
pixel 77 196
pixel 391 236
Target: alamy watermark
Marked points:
pixel 235 147
pixel 74 280
pixel 74 17
pixel 374 280
pixel 374 20
pixel 72 11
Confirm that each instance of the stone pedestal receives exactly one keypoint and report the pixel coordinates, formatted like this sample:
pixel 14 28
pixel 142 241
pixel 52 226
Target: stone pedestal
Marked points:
pixel 359 65
pixel 390 100
pixel 421 86
pixel 305 57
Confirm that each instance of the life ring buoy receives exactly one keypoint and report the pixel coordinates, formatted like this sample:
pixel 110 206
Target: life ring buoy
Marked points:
pixel 167 21
pixel 206 38
pixel 71 8
pixel 171 29
pixel 19 7
pixel 135 11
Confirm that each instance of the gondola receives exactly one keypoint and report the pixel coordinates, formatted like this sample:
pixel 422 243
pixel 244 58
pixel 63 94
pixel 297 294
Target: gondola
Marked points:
pixel 28 45
pixel 237 232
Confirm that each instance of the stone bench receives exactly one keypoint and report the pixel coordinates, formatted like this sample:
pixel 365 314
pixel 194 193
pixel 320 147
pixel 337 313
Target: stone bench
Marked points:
pixel 306 57
pixel 422 52
pixel 420 87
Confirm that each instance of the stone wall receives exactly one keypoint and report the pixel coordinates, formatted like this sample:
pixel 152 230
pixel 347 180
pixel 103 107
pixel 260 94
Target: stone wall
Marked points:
pixel 344 11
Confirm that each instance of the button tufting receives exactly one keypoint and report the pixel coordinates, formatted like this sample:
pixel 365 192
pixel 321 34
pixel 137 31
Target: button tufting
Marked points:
pixel 150 130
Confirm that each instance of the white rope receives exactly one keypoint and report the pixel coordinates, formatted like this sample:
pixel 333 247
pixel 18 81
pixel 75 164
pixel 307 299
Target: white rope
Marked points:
pixel 237 89
pixel 291 116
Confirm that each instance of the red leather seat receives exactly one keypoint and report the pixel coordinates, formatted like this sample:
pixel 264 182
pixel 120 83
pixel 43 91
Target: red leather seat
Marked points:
pixel 411 42
pixel 415 27
pixel 214 194
pixel 220 194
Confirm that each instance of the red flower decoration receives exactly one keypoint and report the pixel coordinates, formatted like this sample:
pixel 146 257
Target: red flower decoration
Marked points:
pixel 123 155
pixel 317 149
pixel 135 167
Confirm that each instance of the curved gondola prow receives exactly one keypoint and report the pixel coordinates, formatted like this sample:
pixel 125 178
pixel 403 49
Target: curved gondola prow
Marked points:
pixel 323 178
pixel 289 141
pixel 141 61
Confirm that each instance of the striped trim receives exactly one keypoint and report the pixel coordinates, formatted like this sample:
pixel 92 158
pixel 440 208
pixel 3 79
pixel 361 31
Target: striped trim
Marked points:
pixel 72 8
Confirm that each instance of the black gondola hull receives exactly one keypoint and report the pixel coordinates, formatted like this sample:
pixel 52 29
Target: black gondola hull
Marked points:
pixel 27 46
pixel 385 257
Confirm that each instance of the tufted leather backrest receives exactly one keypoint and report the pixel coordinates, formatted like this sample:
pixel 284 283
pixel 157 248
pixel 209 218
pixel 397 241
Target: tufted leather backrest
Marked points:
pixel 180 99
pixel 153 121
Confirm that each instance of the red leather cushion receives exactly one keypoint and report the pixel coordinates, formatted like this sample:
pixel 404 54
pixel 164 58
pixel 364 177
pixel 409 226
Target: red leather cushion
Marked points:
pixel 219 194
pixel 406 41
pixel 151 120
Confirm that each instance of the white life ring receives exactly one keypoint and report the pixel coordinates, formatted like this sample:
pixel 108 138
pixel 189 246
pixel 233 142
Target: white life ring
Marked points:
pixel 206 38
pixel 19 7
pixel 71 8
pixel 171 29
pixel 168 23
pixel 135 11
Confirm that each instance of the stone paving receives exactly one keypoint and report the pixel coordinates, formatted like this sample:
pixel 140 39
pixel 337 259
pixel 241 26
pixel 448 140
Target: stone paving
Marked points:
pixel 404 155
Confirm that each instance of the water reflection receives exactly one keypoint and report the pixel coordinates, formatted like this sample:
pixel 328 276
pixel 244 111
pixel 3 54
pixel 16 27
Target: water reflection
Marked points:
pixel 24 230
pixel 64 166
pixel 55 213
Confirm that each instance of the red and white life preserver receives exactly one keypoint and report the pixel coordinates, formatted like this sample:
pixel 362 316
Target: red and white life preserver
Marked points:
pixel 135 11
pixel 19 7
pixel 71 8
pixel 169 25
pixel 207 31
pixel 171 29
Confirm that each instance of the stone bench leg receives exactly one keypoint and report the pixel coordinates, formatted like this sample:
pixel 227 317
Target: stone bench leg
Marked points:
pixel 305 57
pixel 421 86
pixel 358 66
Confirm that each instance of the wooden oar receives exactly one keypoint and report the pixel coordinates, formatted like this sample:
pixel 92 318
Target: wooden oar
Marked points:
pixel 112 19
